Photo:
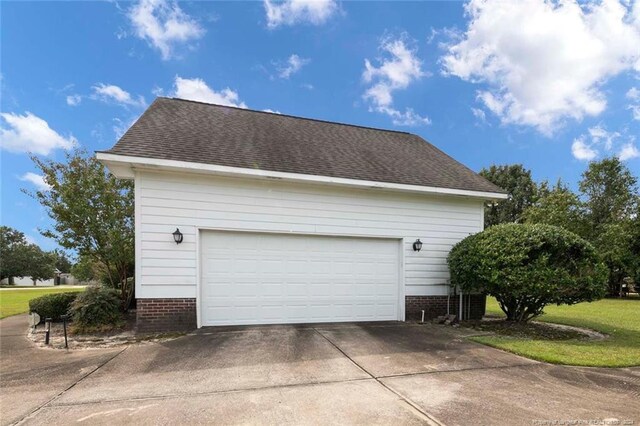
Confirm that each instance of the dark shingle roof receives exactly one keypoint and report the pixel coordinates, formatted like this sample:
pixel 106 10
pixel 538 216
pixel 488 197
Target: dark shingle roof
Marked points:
pixel 175 129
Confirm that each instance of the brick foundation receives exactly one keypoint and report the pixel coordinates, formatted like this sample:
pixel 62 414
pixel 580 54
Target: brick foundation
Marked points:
pixel 157 315
pixel 437 305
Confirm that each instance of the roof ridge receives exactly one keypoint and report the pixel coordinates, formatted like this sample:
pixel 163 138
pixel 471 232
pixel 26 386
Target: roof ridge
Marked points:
pixel 287 115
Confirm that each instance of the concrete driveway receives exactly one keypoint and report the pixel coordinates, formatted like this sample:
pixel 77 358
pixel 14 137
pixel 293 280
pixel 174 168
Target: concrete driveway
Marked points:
pixel 382 373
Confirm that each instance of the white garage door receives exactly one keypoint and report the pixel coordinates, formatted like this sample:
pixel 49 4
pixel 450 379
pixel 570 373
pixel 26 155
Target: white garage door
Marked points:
pixel 257 278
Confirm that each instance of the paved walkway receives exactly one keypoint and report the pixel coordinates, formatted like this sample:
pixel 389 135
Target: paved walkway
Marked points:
pixel 385 373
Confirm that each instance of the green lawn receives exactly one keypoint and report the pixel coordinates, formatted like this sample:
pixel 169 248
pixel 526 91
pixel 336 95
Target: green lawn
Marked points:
pixel 13 302
pixel 619 318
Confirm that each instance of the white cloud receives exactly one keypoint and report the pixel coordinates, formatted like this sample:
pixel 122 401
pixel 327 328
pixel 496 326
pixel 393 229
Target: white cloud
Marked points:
pixel 37 180
pixel 582 151
pixel 407 118
pixel 120 126
pixel 479 114
pixel 74 100
pixel 599 135
pixel 272 111
pixel 634 95
pixel 164 25
pixel 628 151
pixel 196 89
pixel 291 12
pixel 30 133
pixel 293 65
pixel 396 71
pixel 598 140
pixel 157 91
pixel 113 93
pixel 543 61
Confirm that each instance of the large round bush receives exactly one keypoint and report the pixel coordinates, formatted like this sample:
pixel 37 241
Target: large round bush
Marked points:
pixel 96 309
pixel 52 305
pixel 526 267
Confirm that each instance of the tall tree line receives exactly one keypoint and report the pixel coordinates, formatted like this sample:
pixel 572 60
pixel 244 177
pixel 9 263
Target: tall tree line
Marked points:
pixel 604 211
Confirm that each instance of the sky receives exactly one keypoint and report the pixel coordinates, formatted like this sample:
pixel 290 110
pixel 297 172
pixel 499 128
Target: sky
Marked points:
pixel 549 85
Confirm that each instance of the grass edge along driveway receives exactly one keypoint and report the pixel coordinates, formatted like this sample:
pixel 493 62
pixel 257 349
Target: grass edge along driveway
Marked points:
pixel 14 301
pixel 618 318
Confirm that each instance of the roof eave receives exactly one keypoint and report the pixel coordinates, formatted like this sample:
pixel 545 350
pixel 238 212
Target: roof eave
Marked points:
pixel 125 166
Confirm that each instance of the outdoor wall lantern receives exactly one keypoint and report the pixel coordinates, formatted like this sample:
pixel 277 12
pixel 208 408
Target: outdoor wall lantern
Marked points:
pixel 417 245
pixel 177 236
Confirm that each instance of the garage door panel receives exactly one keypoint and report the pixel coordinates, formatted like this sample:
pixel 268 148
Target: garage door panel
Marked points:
pixel 299 290
pixel 252 278
pixel 218 291
pixel 343 289
pixel 273 289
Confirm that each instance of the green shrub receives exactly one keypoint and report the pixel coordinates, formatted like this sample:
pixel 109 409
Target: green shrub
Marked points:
pixel 52 305
pixel 96 309
pixel 526 267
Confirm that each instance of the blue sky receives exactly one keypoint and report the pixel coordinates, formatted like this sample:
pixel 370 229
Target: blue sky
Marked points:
pixel 550 86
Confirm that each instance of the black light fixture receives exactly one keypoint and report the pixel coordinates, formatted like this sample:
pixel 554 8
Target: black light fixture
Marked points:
pixel 417 245
pixel 177 236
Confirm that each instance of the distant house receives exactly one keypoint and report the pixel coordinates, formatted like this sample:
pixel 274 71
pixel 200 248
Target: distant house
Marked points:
pixel 248 217
pixel 65 278
pixel 26 281
pixel 61 278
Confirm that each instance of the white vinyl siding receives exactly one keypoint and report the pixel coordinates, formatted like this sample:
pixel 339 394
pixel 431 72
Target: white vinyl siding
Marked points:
pixel 166 200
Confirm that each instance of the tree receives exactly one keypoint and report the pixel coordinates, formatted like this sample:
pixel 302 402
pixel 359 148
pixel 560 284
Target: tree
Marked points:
pixel 86 269
pixel 610 193
pixel 21 259
pixel 93 215
pixel 517 181
pixel 526 267
pixel 612 202
pixel 41 264
pixel 558 206
pixel 615 243
pixel 62 262
pixel 13 253
pixel 635 248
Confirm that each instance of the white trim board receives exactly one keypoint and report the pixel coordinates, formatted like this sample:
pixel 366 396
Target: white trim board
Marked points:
pixel 137 232
pixel 123 166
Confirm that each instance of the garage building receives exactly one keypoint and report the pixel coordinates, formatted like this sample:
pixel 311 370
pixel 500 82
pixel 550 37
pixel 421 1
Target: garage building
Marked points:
pixel 247 217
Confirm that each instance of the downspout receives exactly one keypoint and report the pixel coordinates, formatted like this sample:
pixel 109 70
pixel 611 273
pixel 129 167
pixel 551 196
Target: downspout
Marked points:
pixel 449 297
